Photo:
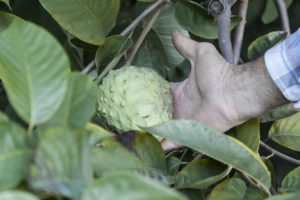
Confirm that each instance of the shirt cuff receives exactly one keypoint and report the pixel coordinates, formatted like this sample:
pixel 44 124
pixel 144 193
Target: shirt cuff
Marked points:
pixel 283 64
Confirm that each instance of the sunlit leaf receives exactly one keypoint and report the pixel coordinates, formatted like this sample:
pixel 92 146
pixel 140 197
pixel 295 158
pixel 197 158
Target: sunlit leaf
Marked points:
pixel 215 144
pixel 91 21
pixel 33 68
pixel 287 132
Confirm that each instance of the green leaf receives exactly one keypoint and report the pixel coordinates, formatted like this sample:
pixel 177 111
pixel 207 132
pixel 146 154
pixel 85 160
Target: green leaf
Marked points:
pixel 33 68
pixel 196 19
pixel 259 46
pixel 287 132
pixel 112 48
pixel 17 195
pixel 130 151
pixel 97 133
pixel 290 196
pixel 270 12
pixel 15 152
pixel 90 21
pixel 78 104
pixel 201 174
pixel 291 181
pixel 3 117
pixel 157 51
pixel 215 144
pixel 248 133
pixel 277 113
pixel 6 2
pixel 173 164
pixel 254 194
pixel 129 186
pixel 62 163
pixel 230 189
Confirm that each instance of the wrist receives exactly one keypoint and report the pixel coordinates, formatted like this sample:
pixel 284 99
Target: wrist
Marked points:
pixel 253 87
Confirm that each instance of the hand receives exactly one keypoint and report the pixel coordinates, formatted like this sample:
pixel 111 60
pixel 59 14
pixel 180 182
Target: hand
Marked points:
pixel 218 93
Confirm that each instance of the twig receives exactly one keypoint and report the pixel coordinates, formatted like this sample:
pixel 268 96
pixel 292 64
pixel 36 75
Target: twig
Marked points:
pixel 221 10
pixel 142 16
pixel 140 40
pixel 88 67
pixel 131 27
pixel 282 9
pixel 278 154
pixel 252 183
pixel 239 31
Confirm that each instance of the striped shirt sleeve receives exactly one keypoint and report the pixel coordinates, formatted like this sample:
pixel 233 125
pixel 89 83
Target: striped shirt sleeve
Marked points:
pixel 283 64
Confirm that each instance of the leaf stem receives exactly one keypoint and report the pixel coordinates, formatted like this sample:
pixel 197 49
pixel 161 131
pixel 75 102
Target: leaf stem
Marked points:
pixel 239 31
pixel 140 40
pixel 282 9
pixel 278 154
pixel 131 27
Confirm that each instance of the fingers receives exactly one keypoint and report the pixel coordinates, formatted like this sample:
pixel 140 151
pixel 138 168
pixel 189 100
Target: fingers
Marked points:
pixel 184 45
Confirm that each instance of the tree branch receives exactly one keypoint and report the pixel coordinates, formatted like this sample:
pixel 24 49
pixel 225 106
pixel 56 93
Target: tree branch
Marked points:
pixel 131 27
pixel 239 31
pixel 221 10
pixel 140 40
pixel 282 9
pixel 280 155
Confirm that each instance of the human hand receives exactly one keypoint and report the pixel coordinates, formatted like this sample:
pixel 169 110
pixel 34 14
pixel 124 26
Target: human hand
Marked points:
pixel 218 93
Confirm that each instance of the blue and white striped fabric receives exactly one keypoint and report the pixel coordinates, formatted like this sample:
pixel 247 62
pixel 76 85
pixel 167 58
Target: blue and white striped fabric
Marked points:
pixel 283 64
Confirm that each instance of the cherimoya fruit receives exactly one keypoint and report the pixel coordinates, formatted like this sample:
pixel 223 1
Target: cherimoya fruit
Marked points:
pixel 133 97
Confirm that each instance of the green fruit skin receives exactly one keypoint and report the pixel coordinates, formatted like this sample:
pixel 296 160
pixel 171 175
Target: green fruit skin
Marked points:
pixel 134 97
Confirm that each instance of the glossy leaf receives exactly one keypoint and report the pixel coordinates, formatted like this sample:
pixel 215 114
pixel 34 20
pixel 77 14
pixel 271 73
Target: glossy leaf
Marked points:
pixel 157 51
pixel 277 113
pixel 78 104
pixel 270 12
pixel 259 46
pixel 230 189
pixel 291 181
pixel 215 144
pixel 201 174
pixel 90 21
pixel 17 195
pixel 196 19
pixel 287 132
pixel 112 48
pixel 129 186
pixel 249 134
pixel 33 69
pixel 290 196
pixel 15 152
pixel 254 194
pixel 131 150
pixel 62 163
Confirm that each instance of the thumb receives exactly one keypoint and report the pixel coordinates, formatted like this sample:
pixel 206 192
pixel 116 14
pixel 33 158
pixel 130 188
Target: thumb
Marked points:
pixel 184 45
